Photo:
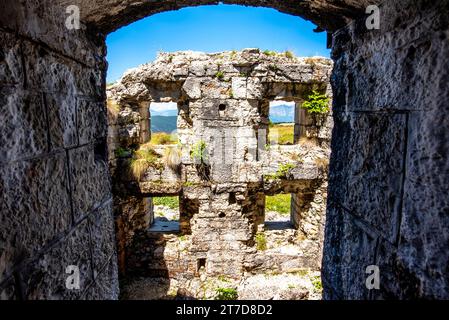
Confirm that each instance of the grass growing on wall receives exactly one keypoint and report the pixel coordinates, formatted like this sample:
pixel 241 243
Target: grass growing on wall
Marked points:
pixel 279 203
pixel 281 134
pixel 163 138
pixel 170 202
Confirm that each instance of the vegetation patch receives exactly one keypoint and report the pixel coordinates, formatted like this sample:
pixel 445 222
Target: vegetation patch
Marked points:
pixel 261 241
pixel 278 203
pixel 163 138
pixel 269 53
pixel 281 134
pixel 316 103
pixel 219 75
pixel 226 294
pixel 143 158
pixel 170 202
pixel 316 281
pixel 288 54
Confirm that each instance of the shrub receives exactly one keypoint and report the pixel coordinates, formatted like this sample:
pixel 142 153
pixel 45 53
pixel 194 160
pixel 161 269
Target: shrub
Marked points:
pixel 121 152
pixel 289 54
pixel 316 103
pixel 200 158
pixel 226 294
pixel 138 167
pixel 172 158
pixel 199 153
pixel 261 241
pixel 269 53
pixel 144 158
pixel 284 169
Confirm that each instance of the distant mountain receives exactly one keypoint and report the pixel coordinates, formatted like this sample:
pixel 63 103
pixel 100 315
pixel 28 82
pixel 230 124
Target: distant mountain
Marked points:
pixel 282 114
pixel 164 112
pixel 163 123
pixel 165 120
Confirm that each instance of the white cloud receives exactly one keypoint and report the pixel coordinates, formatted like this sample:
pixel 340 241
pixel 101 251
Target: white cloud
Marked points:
pixel 162 106
pixel 281 103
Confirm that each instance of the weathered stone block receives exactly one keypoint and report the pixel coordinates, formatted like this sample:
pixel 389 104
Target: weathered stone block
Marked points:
pixel 11 72
pixel 90 185
pixel 46 278
pixel 35 207
pixel 23 132
pixel 62 120
pixel 376 170
pixel 91 121
pixel 102 229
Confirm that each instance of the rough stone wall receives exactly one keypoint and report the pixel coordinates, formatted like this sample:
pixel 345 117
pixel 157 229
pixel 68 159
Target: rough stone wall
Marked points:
pixel 223 101
pixel 55 193
pixel 403 67
pixel 388 182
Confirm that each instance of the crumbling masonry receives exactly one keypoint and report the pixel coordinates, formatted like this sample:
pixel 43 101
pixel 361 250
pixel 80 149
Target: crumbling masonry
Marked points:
pixel 223 104
pixel 388 175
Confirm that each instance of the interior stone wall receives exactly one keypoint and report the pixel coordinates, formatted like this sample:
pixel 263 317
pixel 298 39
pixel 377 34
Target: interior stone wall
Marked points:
pixel 388 203
pixel 389 148
pixel 55 191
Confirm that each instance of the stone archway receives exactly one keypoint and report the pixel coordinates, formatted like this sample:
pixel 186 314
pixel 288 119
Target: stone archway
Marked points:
pixel 387 203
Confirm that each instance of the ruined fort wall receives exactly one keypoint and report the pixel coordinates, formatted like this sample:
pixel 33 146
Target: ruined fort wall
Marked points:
pixel 388 201
pixel 55 191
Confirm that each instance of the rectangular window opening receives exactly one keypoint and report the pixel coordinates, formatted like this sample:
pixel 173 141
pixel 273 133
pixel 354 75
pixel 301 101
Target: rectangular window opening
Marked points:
pixel 163 123
pixel 281 122
pixel 278 212
pixel 166 214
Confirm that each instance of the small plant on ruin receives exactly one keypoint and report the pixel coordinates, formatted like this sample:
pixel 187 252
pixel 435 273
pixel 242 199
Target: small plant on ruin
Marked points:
pixel 122 152
pixel 269 53
pixel 317 103
pixel 289 54
pixel 223 278
pixel 113 108
pixel 261 241
pixel 199 152
pixel 316 282
pixel 322 163
pixel 233 54
pixel 219 75
pixel 144 158
pixel 226 294
pixel 284 170
pixel 201 159
pixel 172 158
pixel 243 74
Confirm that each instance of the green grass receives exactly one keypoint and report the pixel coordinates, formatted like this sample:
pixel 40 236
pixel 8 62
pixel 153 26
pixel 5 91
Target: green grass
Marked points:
pixel 279 203
pixel 316 281
pixel 226 294
pixel 282 133
pixel 163 138
pixel 171 202
pixel 261 241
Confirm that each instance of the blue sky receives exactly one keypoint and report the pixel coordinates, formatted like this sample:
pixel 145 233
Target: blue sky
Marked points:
pixel 211 29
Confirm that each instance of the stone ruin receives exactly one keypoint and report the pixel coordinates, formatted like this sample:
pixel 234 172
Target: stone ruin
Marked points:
pixel 223 104
pixel 388 173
